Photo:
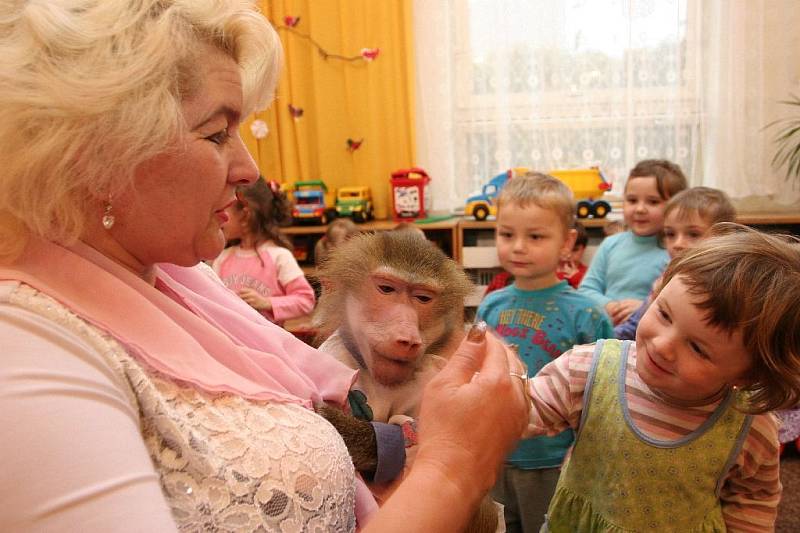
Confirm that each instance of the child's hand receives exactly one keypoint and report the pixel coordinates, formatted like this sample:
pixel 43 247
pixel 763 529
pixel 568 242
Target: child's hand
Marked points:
pixel 567 267
pixel 254 299
pixel 612 309
pixel 620 310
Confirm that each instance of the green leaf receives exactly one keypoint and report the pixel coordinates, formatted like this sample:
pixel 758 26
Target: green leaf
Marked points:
pixel 787 142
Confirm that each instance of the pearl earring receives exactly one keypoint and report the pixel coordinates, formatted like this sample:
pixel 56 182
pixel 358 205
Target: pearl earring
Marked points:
pixel 108 217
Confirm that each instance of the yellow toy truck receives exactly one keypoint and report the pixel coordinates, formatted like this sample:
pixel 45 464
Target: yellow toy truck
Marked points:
pixel 355 202
pixel 587 184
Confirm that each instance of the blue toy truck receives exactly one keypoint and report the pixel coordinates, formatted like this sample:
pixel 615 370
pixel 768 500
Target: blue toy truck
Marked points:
pixel 310 203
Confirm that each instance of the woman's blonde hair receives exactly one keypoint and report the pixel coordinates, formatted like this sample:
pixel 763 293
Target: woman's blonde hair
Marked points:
pixel 89 89
pixel 750 281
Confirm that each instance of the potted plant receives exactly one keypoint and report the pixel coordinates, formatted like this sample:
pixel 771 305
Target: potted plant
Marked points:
pixel 787 142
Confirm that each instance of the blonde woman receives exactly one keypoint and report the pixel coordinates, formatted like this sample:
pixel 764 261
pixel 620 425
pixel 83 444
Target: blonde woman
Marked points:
pixel 136 392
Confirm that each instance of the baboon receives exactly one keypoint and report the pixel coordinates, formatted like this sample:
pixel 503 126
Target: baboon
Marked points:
pixel 391 301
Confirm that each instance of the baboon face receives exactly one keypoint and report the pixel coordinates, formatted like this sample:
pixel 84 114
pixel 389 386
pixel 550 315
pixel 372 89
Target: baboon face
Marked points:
pixel 395 321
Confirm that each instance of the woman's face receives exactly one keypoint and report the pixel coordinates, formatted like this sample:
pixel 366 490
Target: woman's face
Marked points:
pixel 176 209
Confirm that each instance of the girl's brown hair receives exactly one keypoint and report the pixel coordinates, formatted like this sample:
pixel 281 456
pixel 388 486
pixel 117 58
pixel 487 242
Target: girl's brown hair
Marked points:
pixel 269 209
pixel 669 176
pixel 750 281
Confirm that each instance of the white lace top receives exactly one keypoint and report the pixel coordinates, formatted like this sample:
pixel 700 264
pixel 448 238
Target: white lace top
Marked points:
pixel 224 463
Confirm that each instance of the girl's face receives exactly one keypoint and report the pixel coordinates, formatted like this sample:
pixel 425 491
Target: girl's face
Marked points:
pixel 643 207
pixel 684 230
pixel 236 226
pixel 679 355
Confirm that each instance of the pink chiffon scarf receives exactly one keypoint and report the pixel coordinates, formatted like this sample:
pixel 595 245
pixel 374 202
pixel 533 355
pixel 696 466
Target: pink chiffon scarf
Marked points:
pixel 190 328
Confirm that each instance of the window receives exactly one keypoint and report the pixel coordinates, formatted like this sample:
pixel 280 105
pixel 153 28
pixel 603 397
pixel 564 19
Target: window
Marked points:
pixel 564 84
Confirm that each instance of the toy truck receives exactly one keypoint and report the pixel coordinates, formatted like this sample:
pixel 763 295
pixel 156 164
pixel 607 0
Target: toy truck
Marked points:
pixel 355 202
pixel 587 184
pixel 309 203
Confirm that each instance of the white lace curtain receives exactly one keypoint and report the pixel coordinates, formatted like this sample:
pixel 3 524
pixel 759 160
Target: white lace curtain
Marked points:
pixel 570 83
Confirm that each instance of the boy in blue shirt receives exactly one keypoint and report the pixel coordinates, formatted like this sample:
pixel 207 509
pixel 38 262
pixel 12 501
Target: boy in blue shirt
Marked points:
pixel 543 317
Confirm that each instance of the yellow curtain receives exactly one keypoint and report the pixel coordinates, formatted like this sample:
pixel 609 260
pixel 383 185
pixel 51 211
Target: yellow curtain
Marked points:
pixel 340 100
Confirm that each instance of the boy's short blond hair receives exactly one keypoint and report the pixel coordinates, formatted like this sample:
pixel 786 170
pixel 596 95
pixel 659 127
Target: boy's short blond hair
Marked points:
pixel 542 190
pixel 750 281
pixel 712 205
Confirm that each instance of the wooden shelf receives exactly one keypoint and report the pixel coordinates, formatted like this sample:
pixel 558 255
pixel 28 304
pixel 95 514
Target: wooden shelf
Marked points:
pixel 768 219
pixel 471 223
pixel 444 232
pixel 373 225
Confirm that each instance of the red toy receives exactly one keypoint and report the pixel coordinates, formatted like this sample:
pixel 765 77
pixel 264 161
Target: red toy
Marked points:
pixel 410 198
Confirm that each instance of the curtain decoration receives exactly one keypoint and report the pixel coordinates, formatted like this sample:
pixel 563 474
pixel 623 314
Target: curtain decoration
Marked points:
pixel 326 93
pixel 366 54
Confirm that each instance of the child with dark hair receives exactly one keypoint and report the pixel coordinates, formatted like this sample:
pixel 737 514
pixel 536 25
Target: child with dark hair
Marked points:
pixel 571 268
pixel 626 264
pixel 259 266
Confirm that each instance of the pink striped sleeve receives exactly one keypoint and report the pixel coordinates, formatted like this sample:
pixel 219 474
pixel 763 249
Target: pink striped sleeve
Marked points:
pixel 752 490
pixel 557 392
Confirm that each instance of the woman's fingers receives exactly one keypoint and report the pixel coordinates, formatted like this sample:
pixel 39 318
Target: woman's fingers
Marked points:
pixel 496 362
pixel 468 358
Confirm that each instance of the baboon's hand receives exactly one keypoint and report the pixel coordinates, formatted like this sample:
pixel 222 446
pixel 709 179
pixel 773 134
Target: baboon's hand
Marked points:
pixel 358 435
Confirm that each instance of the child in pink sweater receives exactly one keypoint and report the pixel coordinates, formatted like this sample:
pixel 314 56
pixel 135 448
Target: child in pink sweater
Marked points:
pixel 260 267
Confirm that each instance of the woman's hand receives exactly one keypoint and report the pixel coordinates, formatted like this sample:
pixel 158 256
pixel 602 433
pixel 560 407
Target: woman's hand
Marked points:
pixel 254 299
pixel 473 412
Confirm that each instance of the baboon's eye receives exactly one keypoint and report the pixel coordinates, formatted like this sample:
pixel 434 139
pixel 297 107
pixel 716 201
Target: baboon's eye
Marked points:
pixel 386 289
pixel 424 298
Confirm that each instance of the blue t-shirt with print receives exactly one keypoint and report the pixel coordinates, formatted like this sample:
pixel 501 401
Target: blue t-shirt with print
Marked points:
pixel 543 324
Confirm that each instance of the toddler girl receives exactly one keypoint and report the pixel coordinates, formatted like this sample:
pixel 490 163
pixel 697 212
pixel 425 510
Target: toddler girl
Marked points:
pixel 261 268
pixel 688 216
pixel 625 265
pixel 673 432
